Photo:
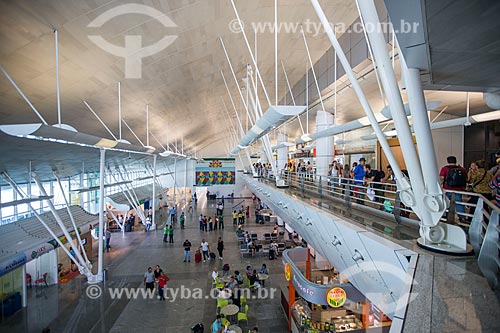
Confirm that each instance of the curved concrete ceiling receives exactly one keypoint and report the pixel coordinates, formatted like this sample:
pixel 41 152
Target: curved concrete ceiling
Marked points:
pixel 181 83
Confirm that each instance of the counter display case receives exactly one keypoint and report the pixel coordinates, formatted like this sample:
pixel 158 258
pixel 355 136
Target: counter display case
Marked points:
pixel 306 321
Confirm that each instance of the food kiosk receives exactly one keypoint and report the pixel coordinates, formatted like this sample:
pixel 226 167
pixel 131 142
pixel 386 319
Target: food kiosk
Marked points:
pixel 329 307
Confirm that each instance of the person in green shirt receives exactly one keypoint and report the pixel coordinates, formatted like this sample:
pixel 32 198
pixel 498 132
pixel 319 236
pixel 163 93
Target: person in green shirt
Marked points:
pixel 165 233
pixel 170 233
pixel 182 218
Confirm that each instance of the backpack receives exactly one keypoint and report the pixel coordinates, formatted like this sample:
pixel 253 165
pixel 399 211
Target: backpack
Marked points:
pixel 457 177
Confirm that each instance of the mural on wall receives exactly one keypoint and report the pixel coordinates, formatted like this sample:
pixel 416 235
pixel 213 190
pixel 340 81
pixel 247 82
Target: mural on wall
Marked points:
pixel 215 171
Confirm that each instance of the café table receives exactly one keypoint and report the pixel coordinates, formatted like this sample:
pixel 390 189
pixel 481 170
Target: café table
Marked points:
pixel 230 311
pixel 235 329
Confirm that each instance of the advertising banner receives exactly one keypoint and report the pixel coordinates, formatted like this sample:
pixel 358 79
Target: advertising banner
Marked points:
pixel 217 171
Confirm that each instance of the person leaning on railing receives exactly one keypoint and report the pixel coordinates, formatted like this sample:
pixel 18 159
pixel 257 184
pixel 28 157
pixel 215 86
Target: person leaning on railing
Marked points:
pixel 479 178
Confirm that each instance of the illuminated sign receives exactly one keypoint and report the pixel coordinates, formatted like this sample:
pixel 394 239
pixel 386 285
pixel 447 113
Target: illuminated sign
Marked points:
pixel 288 271
pixel 336 297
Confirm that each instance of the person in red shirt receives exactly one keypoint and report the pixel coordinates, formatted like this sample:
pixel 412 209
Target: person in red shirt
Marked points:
pixel 162 282
pixel 454 178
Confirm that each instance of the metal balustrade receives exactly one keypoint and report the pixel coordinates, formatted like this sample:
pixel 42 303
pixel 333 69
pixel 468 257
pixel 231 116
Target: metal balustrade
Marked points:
pixel 481 220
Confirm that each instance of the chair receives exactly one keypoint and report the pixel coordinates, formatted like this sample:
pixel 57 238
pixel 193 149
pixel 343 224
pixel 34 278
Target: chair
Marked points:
pixel 218 284
pixel 243 300
pixel 221 303
pixel 253 236
pixel 265 251
pixel 244 250
pixel 267 236
pixel 281 248
pixel 42 280
pixel 243 315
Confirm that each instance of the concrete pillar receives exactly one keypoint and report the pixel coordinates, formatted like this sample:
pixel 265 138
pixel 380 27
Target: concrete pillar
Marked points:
pixel 324 146
pixel 282 153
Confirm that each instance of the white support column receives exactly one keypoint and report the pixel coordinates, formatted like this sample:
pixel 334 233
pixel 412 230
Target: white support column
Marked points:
pixel 119 111
pixel 324 146
pixel 422 129
pixel 81 263
pixel 282 153
pixel 400 179
pixel 72 220
pixel 153 221
pixel 413 196
pixel 58 91
pixel 101 214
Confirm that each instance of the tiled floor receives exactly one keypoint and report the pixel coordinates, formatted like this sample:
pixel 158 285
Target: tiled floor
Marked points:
pixel 67 308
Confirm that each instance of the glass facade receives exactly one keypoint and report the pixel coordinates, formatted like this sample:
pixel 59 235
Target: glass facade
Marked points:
pixel 89 200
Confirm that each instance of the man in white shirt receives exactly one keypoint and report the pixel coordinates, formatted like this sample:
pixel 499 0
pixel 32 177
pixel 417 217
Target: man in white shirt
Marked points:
pixel 205 248
pixel 215 275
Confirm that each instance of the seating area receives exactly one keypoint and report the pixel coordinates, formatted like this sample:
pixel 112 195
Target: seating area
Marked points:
pixel 234 312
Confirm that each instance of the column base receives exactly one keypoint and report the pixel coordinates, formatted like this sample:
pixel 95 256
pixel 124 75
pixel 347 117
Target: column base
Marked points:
pixel 445 248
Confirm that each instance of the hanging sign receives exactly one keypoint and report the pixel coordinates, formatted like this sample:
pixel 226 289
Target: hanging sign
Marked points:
pixel 336 297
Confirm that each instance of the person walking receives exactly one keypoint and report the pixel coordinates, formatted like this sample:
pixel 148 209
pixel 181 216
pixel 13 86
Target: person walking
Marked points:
pixel 187 250
pixel 216 221
pixel 221 222
pixel 149 279
pixel 235 218
pixel 170 232
pixel 165 233
pixel 162 283
pixel 205 248
pixel 200 219
pixel 220 248
pixel 210 224
pixel 182 218
pixel 172 214
pixel 107 234
pixel 205 223
pixel 148 224
pixel 454 178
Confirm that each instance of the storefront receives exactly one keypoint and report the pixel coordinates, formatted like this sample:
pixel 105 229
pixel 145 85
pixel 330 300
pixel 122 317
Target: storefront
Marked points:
pixel 11 284
pixel 65 270
pixel 42 265
pixel 317 301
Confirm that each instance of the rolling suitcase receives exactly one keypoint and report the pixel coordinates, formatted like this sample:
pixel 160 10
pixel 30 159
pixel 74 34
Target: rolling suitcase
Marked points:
pixel 197 256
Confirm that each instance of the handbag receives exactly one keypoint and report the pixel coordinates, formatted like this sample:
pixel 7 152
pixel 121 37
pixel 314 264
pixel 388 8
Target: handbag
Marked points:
pixel 370 193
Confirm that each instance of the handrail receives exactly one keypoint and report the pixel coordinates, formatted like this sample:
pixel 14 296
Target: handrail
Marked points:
pixel 239 203
pixel 483 235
